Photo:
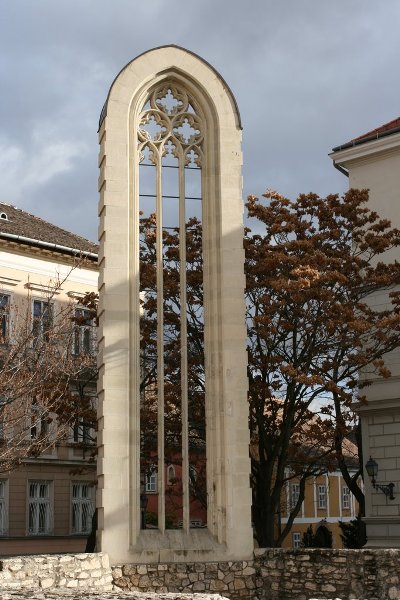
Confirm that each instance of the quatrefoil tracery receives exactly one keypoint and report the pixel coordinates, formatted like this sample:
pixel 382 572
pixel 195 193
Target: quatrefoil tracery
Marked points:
pixel 169 124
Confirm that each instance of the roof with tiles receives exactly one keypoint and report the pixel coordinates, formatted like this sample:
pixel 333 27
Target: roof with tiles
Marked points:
pixel 383 128
pixel 20 226
pixel 382 131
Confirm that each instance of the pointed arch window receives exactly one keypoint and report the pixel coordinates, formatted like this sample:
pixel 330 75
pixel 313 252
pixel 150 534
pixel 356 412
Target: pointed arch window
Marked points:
pixel 170 146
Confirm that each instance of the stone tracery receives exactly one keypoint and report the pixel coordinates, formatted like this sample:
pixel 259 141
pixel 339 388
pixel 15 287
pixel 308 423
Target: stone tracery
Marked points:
pixel 169 118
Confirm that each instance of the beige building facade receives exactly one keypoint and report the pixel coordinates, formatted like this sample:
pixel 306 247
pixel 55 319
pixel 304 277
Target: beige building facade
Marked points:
pixel 46 503
pixel 373 161
pixel 170 103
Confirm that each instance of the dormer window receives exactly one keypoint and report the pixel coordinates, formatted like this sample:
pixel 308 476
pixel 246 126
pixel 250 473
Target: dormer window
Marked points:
pixel 3 216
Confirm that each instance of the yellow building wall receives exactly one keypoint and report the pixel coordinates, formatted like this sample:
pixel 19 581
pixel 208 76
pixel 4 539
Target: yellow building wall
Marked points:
pixel 313 514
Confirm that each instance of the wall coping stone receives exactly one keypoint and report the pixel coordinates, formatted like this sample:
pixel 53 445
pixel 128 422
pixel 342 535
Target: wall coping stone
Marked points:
pixel 58 594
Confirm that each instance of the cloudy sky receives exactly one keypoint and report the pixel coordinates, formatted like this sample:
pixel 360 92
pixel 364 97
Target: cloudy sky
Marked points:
pixel 307 75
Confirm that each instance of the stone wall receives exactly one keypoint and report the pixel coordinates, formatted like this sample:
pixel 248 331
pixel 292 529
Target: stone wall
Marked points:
pixel 274 574
pixel 277 574
pixel 48 571
pixel 71 577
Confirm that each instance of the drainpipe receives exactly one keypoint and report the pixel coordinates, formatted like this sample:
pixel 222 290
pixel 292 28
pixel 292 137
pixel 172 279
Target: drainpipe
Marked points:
pixel 340 168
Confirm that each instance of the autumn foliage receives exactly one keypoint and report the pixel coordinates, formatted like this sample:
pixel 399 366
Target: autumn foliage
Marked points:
pixel 314 337
pixel 46 388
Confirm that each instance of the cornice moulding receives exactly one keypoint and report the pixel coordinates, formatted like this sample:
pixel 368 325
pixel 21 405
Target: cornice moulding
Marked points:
pixel 388 145
pixel 9 281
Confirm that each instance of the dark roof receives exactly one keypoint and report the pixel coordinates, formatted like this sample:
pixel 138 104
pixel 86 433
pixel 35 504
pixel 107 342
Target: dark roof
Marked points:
pixel 103 113
pixel 22 227
pixel 382 131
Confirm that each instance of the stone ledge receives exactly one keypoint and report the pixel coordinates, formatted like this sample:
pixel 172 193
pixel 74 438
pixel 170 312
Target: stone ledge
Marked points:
pixel 34 594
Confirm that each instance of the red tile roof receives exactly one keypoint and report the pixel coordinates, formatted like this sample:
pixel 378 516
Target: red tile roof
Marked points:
pixel 386 127
pixel 374 134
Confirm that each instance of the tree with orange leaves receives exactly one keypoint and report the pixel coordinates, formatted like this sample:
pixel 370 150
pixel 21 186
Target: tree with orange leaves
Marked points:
pixel 313 338
pixel 311 266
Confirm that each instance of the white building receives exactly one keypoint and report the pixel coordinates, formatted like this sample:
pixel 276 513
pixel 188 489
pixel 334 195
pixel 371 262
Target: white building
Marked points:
pixel 373 161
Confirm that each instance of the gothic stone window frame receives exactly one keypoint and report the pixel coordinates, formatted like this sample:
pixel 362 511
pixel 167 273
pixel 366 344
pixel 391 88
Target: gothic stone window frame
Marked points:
pixel 170 123
pixel 229 496
pixel 210 211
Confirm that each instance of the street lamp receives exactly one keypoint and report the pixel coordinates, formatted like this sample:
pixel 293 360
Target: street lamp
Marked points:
pixel 372 470
pixel 143 505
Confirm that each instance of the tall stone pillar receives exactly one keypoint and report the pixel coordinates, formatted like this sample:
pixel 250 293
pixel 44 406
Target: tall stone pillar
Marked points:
pixel 215 141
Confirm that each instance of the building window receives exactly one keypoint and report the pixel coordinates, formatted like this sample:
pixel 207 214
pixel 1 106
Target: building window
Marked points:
pixel 3 508
pixel 84 332
pixel 322 496
pixel 83 430
pixel 82 507
pixel 345 497
pixel 84 433
pixel 4 318
pixel 42 320
pixel 39 511
pixel 296 538
pixel 171 476
pixel 151 483
pixel 294 494
pixel 40 421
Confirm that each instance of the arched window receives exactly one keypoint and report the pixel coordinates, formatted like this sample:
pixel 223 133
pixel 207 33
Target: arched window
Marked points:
pixel 170 154
pixel 171 476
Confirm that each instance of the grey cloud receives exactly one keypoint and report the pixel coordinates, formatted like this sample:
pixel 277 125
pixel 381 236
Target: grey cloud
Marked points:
pixel 307 76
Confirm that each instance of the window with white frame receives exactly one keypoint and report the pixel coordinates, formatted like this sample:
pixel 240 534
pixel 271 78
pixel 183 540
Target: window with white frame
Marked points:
pixel 82 507
pixel 3 507
pixel 296 539
pixel 84 332
pixel 322 496
pixel 151 483
pixel 294 494
pixel 39 508
pixel 83 430
pixel 40 420
pixel 171 476
pixel 84 433
pixel 4 318
pixel 42 320
pixel 345 497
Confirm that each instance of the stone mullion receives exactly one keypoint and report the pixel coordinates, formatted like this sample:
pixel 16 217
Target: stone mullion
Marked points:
pixel 184 352
pixel 134 362
pixel 160 348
